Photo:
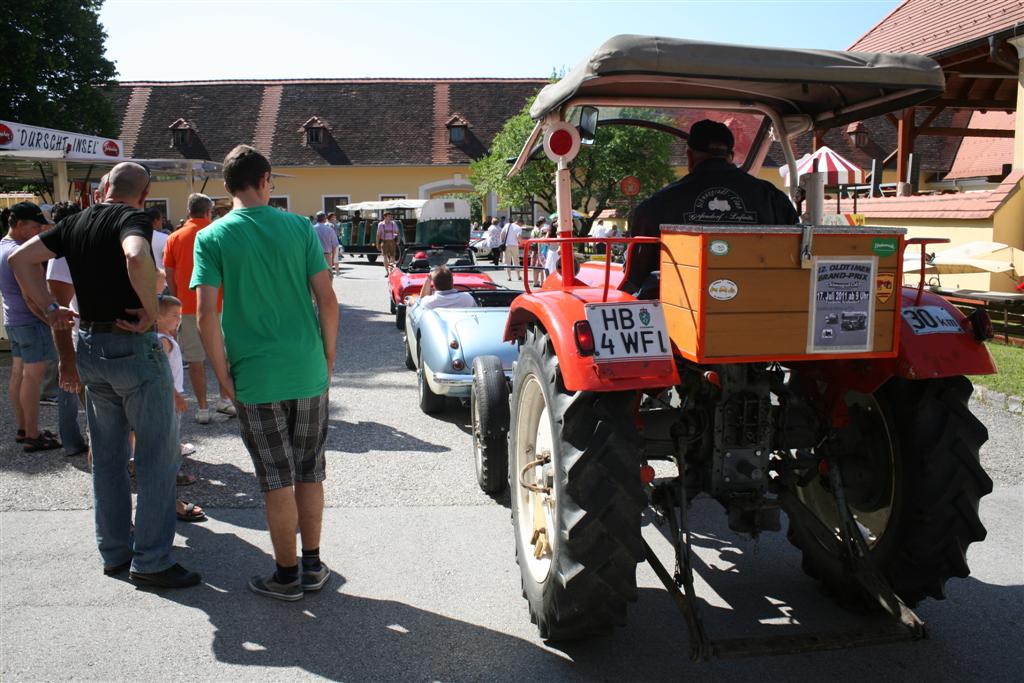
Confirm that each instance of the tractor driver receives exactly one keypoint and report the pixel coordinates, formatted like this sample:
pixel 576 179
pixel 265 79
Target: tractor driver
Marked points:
pixel 713 192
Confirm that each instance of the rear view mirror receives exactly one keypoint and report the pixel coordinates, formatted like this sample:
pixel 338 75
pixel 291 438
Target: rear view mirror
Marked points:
pixel 588 125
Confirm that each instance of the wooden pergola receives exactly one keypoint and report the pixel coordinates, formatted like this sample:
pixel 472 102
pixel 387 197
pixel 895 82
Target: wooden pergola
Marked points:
pixel 982 74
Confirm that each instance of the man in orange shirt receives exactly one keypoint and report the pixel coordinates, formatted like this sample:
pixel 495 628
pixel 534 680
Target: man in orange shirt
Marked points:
pixel 178 264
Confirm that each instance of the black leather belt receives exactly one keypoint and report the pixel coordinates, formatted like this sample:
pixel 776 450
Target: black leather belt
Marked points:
pixel 105 328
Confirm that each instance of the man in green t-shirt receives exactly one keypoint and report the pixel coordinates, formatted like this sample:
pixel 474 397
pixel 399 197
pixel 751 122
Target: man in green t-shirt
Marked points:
pixel 280 354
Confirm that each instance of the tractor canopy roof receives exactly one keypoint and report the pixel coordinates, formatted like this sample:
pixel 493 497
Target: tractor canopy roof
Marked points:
pixel 832 88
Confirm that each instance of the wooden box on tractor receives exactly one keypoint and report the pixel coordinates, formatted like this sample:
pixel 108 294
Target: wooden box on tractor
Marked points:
pixel 739 293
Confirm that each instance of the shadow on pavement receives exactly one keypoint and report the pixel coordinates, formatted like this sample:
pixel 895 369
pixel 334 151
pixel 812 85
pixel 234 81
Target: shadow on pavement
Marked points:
pixel 366 437
pixel 331 634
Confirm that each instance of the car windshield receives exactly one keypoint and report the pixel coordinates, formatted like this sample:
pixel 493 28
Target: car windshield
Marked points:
pixel 744 126
pixel 422 260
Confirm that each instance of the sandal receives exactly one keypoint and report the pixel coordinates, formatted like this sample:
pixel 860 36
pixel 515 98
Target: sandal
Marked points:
pixel 190 514
pixel 20 436
pixel 185 479
pixel 44 442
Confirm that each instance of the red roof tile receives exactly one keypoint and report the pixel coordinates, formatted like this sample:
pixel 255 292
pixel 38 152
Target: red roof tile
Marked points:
pixel 962 205
pixel 978 157
pixel 930 26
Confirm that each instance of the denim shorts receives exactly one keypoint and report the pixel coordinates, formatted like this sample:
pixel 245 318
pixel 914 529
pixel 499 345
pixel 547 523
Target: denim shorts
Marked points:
pixel 32 343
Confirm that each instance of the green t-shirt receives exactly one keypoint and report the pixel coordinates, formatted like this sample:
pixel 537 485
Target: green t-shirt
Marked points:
pixel 264 258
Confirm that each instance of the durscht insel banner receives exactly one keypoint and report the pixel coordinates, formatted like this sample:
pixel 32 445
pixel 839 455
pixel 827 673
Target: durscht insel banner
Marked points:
pixel 16 136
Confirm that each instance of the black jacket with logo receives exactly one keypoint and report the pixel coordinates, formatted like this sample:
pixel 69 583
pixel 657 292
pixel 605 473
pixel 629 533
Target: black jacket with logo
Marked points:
pixel 715 192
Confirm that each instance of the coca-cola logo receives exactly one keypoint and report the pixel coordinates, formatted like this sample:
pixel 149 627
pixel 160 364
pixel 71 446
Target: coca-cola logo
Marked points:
pixel 6 134
pixel 111 149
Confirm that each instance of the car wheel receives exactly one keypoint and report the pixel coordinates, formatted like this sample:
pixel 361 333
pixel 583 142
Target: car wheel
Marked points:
pixel 410 362
pixel 430 403
pixel 488 405
pixel 400 318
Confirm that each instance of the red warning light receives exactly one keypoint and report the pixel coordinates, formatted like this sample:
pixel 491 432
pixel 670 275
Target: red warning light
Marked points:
pixel 561 142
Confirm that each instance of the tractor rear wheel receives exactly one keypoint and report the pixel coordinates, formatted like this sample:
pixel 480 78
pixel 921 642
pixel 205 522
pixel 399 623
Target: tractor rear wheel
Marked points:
pixel 913 481
pixel 576 495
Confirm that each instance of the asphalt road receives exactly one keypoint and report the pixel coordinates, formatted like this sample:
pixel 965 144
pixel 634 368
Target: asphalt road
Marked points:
pixel 426 587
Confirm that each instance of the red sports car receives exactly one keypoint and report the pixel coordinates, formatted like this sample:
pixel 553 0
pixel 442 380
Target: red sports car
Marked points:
pixel 413 269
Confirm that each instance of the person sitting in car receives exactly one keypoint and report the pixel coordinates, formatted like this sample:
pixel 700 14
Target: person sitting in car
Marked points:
pixel 439 292
pixel 713 192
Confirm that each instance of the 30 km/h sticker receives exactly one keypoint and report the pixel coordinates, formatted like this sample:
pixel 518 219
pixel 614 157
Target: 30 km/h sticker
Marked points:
pixel 628 331
pixel 931 320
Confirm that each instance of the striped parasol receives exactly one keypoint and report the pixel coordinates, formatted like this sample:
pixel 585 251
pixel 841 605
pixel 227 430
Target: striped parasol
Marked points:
pixel 838 170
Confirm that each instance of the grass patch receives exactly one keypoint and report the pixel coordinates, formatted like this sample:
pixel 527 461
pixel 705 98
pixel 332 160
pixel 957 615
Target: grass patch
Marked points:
pixel 1010 363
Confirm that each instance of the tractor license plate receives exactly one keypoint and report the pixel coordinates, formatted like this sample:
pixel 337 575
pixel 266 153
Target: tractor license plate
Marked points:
pixel 931 320
pixel 628 331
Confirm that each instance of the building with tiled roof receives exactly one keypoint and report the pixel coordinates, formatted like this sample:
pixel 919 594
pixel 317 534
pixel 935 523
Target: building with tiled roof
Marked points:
pixel 331 141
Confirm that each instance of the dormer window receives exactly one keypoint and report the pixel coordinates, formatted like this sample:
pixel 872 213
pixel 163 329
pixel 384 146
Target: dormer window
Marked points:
pixel 457 129
pixel 181 133
pixel 315 130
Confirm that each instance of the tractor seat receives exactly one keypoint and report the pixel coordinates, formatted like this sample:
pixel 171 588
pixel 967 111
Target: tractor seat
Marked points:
pixel 462 262
pixel 651 288
pixel 419 264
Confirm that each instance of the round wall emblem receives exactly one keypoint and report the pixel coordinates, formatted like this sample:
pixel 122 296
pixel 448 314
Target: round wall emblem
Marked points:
pixel 6 134
pixel 723 290
pixel 111 149
pixel 719 247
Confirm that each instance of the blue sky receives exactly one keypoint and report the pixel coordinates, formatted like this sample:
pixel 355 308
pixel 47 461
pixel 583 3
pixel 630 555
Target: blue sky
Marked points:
pixel 206 39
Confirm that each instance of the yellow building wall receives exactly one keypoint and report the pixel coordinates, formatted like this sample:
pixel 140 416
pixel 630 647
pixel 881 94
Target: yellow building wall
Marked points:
pixel 959 232
pixel 305 187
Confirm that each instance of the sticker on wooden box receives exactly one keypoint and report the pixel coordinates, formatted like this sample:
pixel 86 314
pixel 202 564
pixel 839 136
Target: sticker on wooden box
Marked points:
pixel 719 247
pixel 841 316
pixel 723 290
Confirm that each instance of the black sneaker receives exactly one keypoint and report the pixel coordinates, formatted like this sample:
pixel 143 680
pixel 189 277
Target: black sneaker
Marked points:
pixel 270 587
pixel 174 576
pixel 315 580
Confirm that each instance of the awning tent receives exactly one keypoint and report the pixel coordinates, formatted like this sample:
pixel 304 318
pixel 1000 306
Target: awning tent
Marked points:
pixel 837 170
pixel 970 258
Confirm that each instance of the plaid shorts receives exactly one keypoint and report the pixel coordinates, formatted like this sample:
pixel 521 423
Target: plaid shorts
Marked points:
pixel 286 440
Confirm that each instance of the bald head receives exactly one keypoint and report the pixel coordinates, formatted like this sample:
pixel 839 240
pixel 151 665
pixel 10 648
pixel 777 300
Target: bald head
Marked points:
pixel 128 183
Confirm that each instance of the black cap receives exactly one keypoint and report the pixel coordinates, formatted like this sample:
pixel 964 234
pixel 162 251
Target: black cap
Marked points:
pixel 27 211
pixel 711 137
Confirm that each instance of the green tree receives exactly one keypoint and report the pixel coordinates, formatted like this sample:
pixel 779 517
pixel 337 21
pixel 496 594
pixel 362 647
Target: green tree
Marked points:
pixel 53 66
pixel 617 152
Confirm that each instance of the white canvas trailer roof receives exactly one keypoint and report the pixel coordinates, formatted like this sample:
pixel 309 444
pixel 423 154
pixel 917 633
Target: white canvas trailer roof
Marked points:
pixel 426 209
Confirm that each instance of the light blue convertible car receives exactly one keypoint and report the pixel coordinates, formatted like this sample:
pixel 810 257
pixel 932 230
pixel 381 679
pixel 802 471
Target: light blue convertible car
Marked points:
pixel 441 344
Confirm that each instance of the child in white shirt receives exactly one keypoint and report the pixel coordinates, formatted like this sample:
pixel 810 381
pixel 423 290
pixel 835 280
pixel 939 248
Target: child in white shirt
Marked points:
pixel 166 328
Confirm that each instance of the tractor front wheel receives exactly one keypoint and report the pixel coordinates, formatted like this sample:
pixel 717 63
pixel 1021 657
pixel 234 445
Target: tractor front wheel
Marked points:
pixel 576 495
pixel 912 478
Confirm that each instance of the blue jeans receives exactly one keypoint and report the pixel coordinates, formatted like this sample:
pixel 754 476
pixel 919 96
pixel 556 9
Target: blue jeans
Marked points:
pixel 128 387
pixel 67 423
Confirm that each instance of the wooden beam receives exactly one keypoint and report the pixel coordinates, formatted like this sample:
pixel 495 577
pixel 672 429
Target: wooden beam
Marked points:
pixel 932 115
pixel 966 132
pixel 893 120
pixel 819 138
pixel 967 103
pixel 905 136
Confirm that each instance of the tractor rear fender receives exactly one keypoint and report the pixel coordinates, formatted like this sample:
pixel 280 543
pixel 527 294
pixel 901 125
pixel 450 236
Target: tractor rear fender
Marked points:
pixel 557 310
pixel 923 353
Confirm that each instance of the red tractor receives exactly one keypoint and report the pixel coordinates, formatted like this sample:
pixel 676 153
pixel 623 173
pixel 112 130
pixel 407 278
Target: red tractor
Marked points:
pixel 773 365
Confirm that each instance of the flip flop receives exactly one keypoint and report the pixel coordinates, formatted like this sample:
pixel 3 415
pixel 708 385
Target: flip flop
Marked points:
pixel 20 436
pixel 190 514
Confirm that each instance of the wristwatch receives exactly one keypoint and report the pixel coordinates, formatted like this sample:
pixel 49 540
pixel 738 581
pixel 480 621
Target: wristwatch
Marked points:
pixel 52 308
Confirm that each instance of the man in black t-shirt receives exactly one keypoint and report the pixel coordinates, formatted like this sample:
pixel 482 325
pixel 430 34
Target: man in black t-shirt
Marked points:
pixel 714 191
pixel 127 378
